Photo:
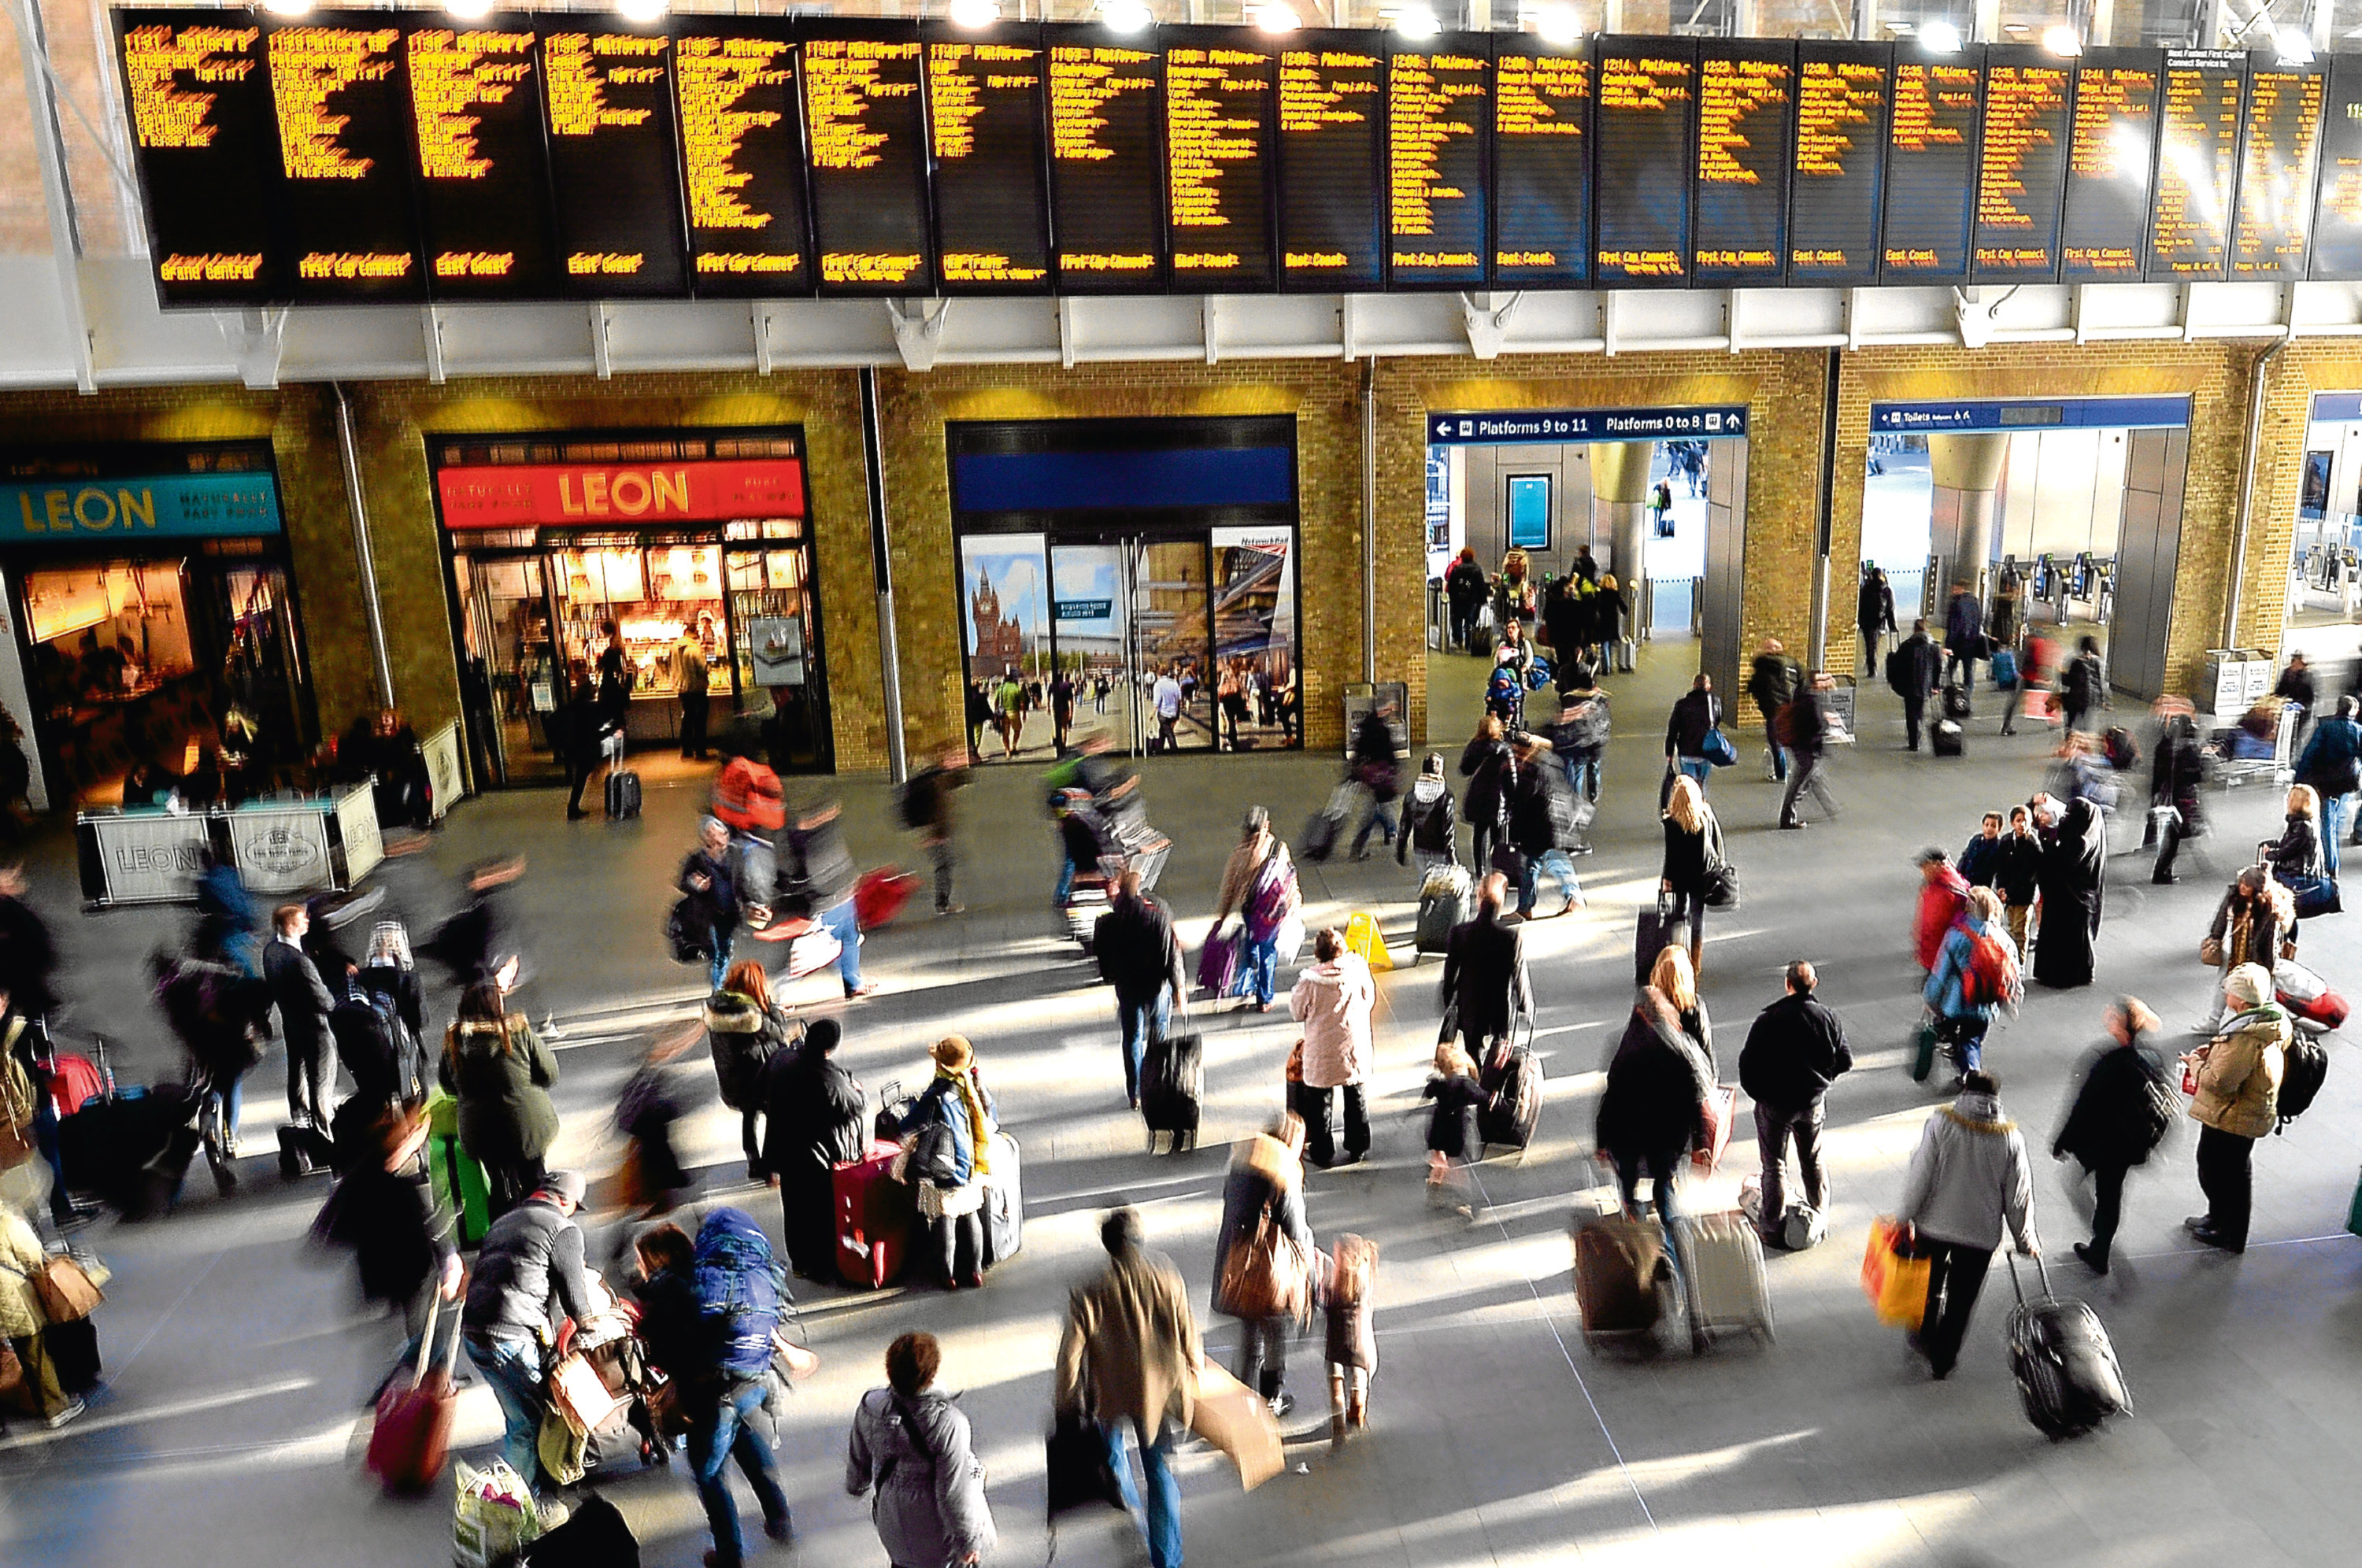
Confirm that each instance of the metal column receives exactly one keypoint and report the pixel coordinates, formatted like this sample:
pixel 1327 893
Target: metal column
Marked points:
pixel 364 552
pixel 889 655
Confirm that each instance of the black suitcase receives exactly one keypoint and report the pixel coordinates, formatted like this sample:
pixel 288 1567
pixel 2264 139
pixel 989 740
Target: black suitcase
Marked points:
pixel 74 1354
pixel 2068 1377
pixel 622 794
pixel 1655 934
pixel 1947 739
pixel 1172 1088
pixel 1511 1073
pixel 1320 840
pixel 108 1145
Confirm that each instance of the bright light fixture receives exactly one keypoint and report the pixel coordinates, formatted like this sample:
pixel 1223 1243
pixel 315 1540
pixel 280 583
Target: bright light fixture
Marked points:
pixel 1558 24
pixel 468 10
pixel 974 12
pixel 2062 41
pixel 2295 47
pixel 1276 19
pixel 287 7
pixel 1417 22
pixel 1126 15
pixel 1940 37
pixel 640 11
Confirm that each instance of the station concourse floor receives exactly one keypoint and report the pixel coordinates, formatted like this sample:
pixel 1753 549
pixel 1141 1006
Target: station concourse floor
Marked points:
pixel 231 1431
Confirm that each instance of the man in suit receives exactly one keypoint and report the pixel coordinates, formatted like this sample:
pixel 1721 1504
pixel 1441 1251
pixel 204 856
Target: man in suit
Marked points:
pixel 303 1005
pixel 1912 670
pixel 1485 977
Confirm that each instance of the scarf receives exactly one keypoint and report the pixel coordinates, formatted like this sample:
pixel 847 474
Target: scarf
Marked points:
pixel 979 1131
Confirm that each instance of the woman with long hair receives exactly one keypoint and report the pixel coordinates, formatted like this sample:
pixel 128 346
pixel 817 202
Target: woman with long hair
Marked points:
pixel 1652 1112
pixel 744 1029
pixel 2299 861
pixel 500 1072
pixel 1693 844
pixel 1490 769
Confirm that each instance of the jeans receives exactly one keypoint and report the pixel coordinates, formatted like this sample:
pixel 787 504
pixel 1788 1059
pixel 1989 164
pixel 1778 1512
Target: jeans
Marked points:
pixel 2108 1207
pixel 1066 881
pixel 1698 768
pixel 1320 1128
pixel 1772 740
pixel 1141 1022
pixel 2334 809
pixel 714 1441
pixel 842 923
pixel 1381 815
pixel 513 1369
pixel 1556 862
pixel 1660 1168
pixel 1966 1037
pixel 1161 1521
pixel 1259 960
pixel 1774 1125
pixel 217 1114
pixel 1583 771
pixel 1807 775
pixel 1955 1276
pixel 717 962
pixel 1262 1354
pixel 2228 1181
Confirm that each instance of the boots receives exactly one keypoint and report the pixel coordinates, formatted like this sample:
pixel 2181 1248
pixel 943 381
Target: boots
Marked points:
pixel 1339 1412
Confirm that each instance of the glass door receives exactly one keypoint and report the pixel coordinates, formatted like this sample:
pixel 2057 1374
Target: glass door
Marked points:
pixel 506 618
pixel 1092 688
pixel 1171 644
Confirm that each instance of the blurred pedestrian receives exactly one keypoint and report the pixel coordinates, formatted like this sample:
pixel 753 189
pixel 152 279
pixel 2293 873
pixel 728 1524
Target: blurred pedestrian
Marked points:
pixel 500 1072
pixel 822 880
pixel 1652 1112
pixel 1140 956
pixel 529 1277
pixel 1265 1189
pixel 24 1323
pixel 1259 881
pixel 2120 1114
pixel 927 810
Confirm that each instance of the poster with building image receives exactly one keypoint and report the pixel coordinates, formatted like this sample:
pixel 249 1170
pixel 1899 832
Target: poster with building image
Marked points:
pixel 1005 620
pixel 1259 700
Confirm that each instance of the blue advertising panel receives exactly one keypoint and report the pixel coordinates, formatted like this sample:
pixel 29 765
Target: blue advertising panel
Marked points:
pixel 1529 511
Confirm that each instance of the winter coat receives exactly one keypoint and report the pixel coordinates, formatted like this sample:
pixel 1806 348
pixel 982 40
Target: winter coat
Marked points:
pixel 2239 1082
pixel 742 1038
pixel 2086 688
pixel 813 1112
pixel 2331 759
pixel 1489 769
pixel 2250 930
pixel 501 1072
pixel 929 1506
pixel 1692 718
pixel 1465 584
pixel 1807 717
pixel 1980 861
pixel 1138 953
pixel 20 1253
pixel 1773 679
pixel 1794 1051
pixel 1333 1002
pixel 388 1220
pixel 718 899
pixel 1686 855
pixel 1130 1350
pixel 1969 1174
pixel 304 1001
pixel 1874 605
pixel 1941 903
pixel 1543 810
pixel 528 1276
pixel 824 869
pixel 2298 855
pixel 943 1102
pixel 1946 989
pixel 1452 1125
pixel 2018 868
pixel 1921 666
pixel 1427 824
pixel 1654 1103
pixel 672 1327
pixel 1263 1174
pixel 2106 1127
pixel 1964 623
pixel 1485 975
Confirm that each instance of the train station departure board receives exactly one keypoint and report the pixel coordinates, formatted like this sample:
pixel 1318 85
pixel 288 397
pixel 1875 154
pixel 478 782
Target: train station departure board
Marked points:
pixel 1332 117
pixel 198 93
pixel 2279 153
pixel 482 179
pixel 338 92
pixel 2338 213
pixel 866 126
pixel 1647 87
pixel 2197 164
pixel 1837 179
pixel 1107 158
pixel 1439 133
pixel 1931 167
pixel 607 97
pixel 1738 225
pixel 1541 164
pixel 2022 168
pixel 986 92
pixel 1222 92
pixel 741 157
pixel 2103 213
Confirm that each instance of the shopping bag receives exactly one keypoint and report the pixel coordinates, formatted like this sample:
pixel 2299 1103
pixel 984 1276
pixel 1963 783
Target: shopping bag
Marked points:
pixel 1895 1282
pixel 1922 1059
pixel 494 1515
pixel 1233 1418
pixel 563 1447
pixel 66 1290
pixel 1363 936
pixel 1075 1464
pixel 577 1390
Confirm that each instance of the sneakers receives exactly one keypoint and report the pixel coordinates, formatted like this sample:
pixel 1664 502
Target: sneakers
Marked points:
pixel 1281 1404
pixel 73 1408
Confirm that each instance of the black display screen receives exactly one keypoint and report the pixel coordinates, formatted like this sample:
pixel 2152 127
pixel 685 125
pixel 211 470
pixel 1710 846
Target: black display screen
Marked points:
pixel 607 103
pixel 2197 164
pixel 1837 169
pixel 1107 158
pixel 1439 136
pixel 1931 166
pixel 1541 163
pixel 1642 159
pixel 341 101
pixel 1738 225
pixel 2278 157
pixel 985 98
pixel 2103 221
pixel 2022 167
pixel 2337 215
pixel 198 91
pixel 482 179
pixel 866 131
pixel 1332 114
pixel 741 157
pixel 1221 90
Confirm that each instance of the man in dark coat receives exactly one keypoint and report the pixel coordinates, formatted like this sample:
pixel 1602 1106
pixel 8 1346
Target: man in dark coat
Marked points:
pixel 2118 1118
pixel 1773 680
pixel 477 944
pixel 1964 634
pixel 2295 684
pixel 1466 586
pixel 2074 861
pixel 580 721
pixel 303 1004
pixel 1807 722
pixel 1795 1051
pixel 1141 957
pixel 1912 670
pixel 812 1125
pixel 1485 985
pixel 2332 763
pixel 2176 771
pixel 1873 613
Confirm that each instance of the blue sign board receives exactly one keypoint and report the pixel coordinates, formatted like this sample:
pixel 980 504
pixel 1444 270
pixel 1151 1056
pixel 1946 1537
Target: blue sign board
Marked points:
pixel 1082 609
pixel 1519 427
pixel 183 506
pixel 2337 405
pixel 2051 413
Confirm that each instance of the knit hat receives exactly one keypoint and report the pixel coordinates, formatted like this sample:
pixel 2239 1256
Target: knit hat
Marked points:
pixel 2249 985
pixel 953 1052
pixel 568 1185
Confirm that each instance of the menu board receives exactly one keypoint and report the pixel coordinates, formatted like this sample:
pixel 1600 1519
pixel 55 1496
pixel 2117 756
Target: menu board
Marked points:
pixel 2197 164
pixel 607 103
pixel 741 157
pixel 1331 124
pixel 199 98
pixel 482 179
pixel 1931 167
pixel 2104 216
pixel 2022 167
pixel 2278 156
pixel 1107 159
pixel 865 122
pixel 1837 172
pixel 337 91
pixel 1738 224
pixel 2338 214
pixel 1646 87
pixel 1221 88
pixel 985 98
pixel 1439 123
pixel 1541 163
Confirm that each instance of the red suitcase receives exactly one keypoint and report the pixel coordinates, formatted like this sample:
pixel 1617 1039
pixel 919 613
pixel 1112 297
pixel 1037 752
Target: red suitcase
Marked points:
pixel 875 1217
pixel 880 896
pixel 412 1441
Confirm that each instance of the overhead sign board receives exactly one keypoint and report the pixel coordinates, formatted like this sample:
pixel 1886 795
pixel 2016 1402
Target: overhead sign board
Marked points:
pixel 1519 426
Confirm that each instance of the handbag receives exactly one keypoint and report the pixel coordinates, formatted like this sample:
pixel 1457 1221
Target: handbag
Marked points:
pixel 2210 953
pixel 1721 891
pixel 1268 1277
pixel 1076 1462
pixel 1895 1282
pixel 1717 748
pixel 65 1289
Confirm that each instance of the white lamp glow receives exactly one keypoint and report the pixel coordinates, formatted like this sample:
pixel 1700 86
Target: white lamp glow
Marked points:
pixel 1417 22
pixel 468 10
pixel 974 12
pixel 1126 15
pixel 1940 37
pixel 640 11
pixel 1558 24
pixel 1276 19
pixel 2063 42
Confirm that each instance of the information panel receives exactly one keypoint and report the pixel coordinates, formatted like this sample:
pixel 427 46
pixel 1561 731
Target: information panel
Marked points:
pixel 607 96
pixel 2278 157
pixel 2338 214
pixel 1541 163
pixel 482 179
pixel 1221 90
pixel 1837 177
pixel 1107 159
pixel 2103 221
pixel 1931 165
pixel 1438 120
pixel 1331 145
pixel 741 157
pixel 2022 167
pixel 985 107
pixel 199 98
pixel 1738 225
pixel 2197 161
pixel 1646 88
pixel 865 125
pixel 338 88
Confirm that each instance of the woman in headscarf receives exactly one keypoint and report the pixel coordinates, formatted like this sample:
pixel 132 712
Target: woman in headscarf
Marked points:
pixel 2074 859
pixel 955 1215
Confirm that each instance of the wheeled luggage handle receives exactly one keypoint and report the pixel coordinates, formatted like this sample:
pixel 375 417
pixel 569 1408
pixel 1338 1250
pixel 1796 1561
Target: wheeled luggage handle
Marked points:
pixel 2042 1270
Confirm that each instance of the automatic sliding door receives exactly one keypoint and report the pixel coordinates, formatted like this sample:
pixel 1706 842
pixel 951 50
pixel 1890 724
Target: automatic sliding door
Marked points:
pixel 1092 630
pixel 1258 702
pixel 1171 643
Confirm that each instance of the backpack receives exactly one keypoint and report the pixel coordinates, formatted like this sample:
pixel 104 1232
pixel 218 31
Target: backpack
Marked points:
pixel 687 934
pixel 2156 1110
pixel 747 797
pixel 1789 727
pixel 1989 977
pixel 2307 1064
pixel 1898 671
pixel 737 1292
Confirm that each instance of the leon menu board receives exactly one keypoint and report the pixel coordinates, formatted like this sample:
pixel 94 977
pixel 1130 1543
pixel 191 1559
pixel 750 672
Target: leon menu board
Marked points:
pixel 2024 166
pixel 1541 164
pixel 2197 162
pixel 2103 221
pixel 482 182
pixel 1438 124
pixel 607 97
pixel 1219 91
pixel 1738 225
pixel 2277 158
pixel 985 98
pixel 1332 113
pixel 1836 176
pixel 343 152
pixel 1931 164
pixel 1107 160
pixel 1646 87
pixel 199 96
pixel 2337 215
pixel 742 159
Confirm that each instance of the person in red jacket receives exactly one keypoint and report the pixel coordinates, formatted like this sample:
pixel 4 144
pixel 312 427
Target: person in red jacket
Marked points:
pixel 1943 894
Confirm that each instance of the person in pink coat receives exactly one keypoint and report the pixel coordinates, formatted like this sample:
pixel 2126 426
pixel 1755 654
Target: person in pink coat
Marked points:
pixel 1332 1000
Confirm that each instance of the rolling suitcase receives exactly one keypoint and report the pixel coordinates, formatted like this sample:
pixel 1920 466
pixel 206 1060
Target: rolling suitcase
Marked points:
pixel 1721 1109
pixel 880 894
pixel 1004 1201
pixel 460 1189
pixel 412 1440
pixel 593 1536
pixel 1217 963
pixel 1722 1266
pixel 1172 1088
pixel 2068 1377
pixel 875 1217
pixel 622 794
pixel 1946 739
pixel 1956 702
pixel 1623 1284
pixel 1442 904
pixel 1511 1072
pixel 1320 840
pixel 1655 934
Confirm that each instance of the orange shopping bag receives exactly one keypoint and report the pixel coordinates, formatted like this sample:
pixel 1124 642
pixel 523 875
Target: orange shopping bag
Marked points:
pixel 1895 1282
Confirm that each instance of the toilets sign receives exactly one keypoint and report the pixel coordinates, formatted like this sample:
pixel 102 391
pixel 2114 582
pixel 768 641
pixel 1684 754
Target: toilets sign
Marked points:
pixel 1520 426
pixel 166 506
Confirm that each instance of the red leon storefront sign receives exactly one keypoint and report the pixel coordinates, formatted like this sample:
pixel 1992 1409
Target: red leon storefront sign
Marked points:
pixel 569 495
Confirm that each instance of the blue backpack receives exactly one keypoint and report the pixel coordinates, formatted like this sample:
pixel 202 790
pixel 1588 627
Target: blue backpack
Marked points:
pixel 737 1291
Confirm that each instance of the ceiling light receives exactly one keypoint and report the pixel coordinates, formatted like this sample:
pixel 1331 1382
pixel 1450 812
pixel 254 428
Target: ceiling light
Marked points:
pixel 287 7
pixel 1276 19
pixel 2294 46
pixel 974 12
pixel 1940 37
pixel 1417 22
pixel 1558 24
pixel 1126 15
pixel 641 12
pixel 2063 42
pixel 468 10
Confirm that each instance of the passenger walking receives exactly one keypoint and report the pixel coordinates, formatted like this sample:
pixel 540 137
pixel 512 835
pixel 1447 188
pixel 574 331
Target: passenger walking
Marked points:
pixel 1264 1188
pixel 1873 613
pixel 2017 877
pixel 2074 863
pixel 1695 717
pixel 957 1101
pixel 1545 826
pixel 708 878
pixel 1794 1051
pixel 1773 679
pixel 303 1004
pixel 1943 898
pixel 23 1324
pixel 1967 1176
pixel 1373 764
pixel 1430 828
pixel 1580 736
pixel 1485 987
pixel 2120 1114
pixel 812 1123
pixel 500 1072
pixel 911 1449
pixel 1805 722
pixel 1166 697
pixel 1140 956
pixel 1352 1346
pixel 1454 1136
pixel 2239 1074
pixel 1975 973
pixel 479 942
pixel 2085 689
pixel 529 1277
pixel 1487 763
pixel 383 1211
pixel 1964 636
pixel 2176 774
pixel 744 1028
pixel 1692 847
pixel 1613 613
pixel 823 881
pixel 1259 881
pixel 2332 763
pixel 927 809
pixel 1912 673
pixel 1465 589
pixel 1653 1110
pixel 1332 1000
